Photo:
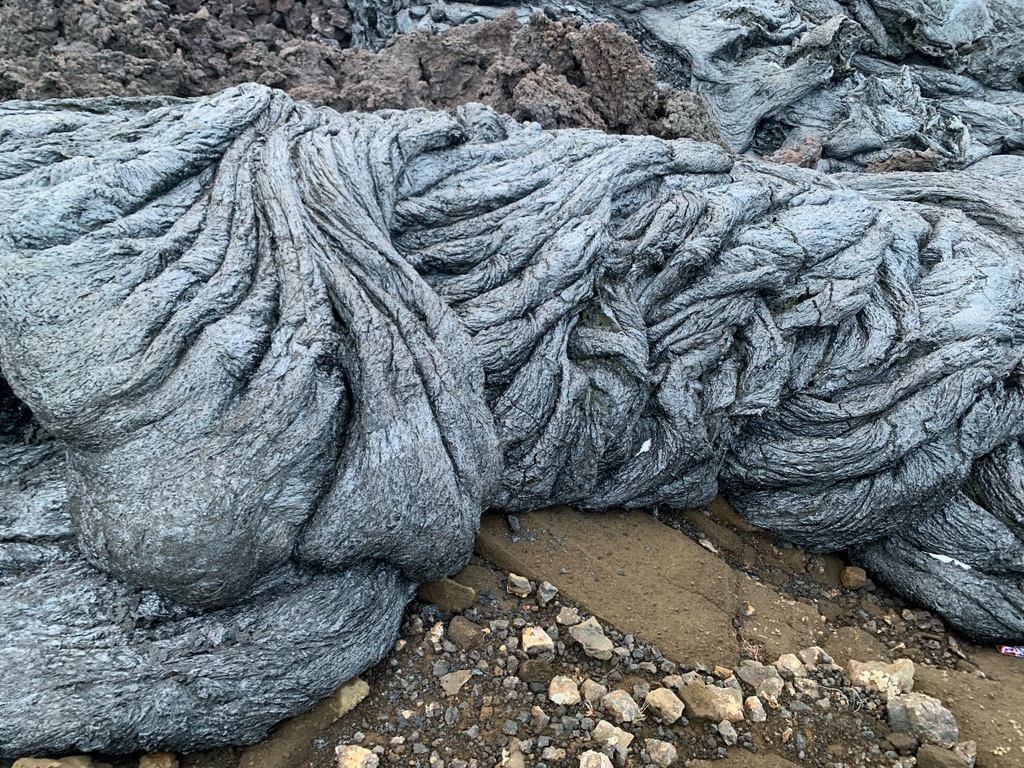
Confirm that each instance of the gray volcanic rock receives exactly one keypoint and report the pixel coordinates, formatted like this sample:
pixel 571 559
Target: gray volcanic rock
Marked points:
pixel 284 357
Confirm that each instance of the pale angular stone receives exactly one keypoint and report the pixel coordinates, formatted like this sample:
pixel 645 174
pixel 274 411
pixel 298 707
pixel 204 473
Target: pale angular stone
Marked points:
pixel 592 759
pixel 563 690
pixel 765 680
pixel 665 705
pixel 728 733
pixel 924 717
pixel 546 593
pixel 518 585
pixel 608 735
pixel 886 679
pixel 591 636
pixel 673 681
pixel 592 692
pixel 553 755
pixel 452 683
pixel 815 657
pixel 790 666
pixel 536 641
pixel 568 616
pixel 352 756
pixel 757 713
pixel 709 702
pixel 661 753
pixel 806 686
pixel 621 706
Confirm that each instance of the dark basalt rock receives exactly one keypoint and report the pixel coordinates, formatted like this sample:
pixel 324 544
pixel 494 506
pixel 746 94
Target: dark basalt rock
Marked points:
pixel 284 357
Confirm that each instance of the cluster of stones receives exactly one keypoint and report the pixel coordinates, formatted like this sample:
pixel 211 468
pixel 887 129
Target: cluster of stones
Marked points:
pixel 600 727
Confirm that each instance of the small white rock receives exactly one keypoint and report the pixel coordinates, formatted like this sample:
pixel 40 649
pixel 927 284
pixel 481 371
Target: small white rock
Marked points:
pixel 620 705
pixel 592 759
pixel 563 690
pixel 536 640
pixel 886 679
pixel 790 666
pixel 815 656
pixel 452 683
pixel 351 756
pixel 518 585
pixel 568 616
pixel 661 753
pixel 757 713
pixel 592 691
pixel 665 705
pixel 609 735
pixel 590 634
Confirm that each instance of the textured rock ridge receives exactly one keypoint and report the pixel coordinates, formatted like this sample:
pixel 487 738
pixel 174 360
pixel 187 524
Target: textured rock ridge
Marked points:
pixel 283 357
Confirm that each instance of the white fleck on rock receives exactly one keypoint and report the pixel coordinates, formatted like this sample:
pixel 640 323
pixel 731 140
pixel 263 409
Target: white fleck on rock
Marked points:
pixel 757 713
pixel 452 683
pixel 620 705
pixel 518 585
pixel 563 690
pixel 790 666
pixel 536 640
pixel 592 759
pixel 886 679
pixel 665 705
pixel 592 691
pixel 661 753
pixel 923 717
pixel 591 636
pixel 728 733
pixel 546 593
pixel 351 756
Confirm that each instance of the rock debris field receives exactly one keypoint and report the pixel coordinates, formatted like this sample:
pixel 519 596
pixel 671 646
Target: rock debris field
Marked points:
pixel 493 668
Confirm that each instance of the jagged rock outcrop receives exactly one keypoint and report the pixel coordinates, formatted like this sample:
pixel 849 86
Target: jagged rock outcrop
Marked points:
pixel 281 358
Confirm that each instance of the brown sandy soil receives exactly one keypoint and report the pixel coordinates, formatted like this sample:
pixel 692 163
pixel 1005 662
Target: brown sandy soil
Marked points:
pixel 693 591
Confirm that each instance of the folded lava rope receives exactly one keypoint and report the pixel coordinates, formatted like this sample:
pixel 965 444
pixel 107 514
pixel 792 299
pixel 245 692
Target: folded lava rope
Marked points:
pixel 285 357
